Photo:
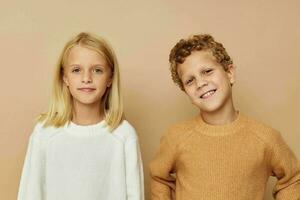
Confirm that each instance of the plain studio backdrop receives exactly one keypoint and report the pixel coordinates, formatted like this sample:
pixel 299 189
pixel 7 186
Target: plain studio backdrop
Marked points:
pixel 262 37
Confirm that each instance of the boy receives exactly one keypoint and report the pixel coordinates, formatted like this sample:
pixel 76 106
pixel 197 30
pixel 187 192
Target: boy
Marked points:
pixel 220 154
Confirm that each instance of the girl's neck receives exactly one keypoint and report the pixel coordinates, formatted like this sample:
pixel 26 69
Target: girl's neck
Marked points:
pixel 87 114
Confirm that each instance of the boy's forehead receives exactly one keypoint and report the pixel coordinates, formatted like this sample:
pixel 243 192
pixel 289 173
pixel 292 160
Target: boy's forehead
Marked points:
pixel 200 56
pixel 197 58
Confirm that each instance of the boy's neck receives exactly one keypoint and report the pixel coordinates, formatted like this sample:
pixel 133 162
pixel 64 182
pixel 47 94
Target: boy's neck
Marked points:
pixel 220 118
pixel 87 114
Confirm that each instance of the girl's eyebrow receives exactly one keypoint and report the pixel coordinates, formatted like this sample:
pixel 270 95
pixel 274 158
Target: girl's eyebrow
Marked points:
pixel 98 65
pixel 95 65
pixel 74 65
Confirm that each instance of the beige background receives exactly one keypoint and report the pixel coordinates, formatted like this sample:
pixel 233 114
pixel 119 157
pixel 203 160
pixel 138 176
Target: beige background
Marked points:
pixel 263 38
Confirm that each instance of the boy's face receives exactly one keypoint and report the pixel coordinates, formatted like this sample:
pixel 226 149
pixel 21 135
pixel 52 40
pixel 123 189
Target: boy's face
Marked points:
pixel 206 82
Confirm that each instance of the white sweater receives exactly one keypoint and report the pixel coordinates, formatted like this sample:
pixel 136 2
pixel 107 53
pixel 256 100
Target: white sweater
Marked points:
pixel 82 163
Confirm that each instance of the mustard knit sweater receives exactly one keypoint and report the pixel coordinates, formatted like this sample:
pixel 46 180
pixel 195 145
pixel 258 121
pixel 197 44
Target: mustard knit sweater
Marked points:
pixel 198 161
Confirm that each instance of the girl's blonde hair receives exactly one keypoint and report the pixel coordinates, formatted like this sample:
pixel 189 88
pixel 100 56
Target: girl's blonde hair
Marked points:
pixel 60 108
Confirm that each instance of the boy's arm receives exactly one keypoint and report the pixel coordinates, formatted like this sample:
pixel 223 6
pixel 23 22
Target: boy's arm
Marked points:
pixel 162 183
pixel 286 168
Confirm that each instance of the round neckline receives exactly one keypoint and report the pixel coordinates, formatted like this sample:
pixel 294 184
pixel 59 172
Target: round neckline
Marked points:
pixel 72 127
pixel 221 130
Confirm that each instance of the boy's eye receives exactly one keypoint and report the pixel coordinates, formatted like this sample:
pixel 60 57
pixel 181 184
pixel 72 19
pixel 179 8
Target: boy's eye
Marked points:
pixel 189 81
pixel 207 71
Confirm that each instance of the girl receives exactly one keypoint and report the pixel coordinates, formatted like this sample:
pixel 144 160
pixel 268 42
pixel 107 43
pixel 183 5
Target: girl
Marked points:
pixel 82 148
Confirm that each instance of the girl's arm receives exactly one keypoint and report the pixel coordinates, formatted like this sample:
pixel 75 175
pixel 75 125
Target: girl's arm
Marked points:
pixel 134 170
pixel 32 179
pixel 286 168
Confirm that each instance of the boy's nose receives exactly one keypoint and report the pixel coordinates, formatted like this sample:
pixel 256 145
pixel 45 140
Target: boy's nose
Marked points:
pixel 201 82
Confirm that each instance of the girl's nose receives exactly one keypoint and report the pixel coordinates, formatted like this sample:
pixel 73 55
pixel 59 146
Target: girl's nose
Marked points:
pixel 87 78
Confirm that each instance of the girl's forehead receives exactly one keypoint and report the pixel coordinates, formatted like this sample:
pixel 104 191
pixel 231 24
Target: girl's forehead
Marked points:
pixel 84 54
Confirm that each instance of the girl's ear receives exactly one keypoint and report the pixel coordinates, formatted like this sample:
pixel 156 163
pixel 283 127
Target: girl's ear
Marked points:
pixel 231 73
pixel 109 82
pixel 65 79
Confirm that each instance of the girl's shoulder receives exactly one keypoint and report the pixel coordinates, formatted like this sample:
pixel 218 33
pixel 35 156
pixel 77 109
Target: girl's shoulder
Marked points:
pixel 125 131
pixel 43 133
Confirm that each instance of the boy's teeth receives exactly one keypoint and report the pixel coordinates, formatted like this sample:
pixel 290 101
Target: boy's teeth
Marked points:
pixel 207 94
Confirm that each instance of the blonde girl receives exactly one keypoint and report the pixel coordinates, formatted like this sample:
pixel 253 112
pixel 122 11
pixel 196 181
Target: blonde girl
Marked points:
pixel 82 148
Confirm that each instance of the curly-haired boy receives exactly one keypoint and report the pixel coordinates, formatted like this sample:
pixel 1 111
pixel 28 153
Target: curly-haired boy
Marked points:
pixel 221 154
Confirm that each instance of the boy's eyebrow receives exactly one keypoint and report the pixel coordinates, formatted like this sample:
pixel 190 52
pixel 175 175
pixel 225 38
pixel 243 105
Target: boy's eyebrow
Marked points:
pixel 186 76
pixel 206 67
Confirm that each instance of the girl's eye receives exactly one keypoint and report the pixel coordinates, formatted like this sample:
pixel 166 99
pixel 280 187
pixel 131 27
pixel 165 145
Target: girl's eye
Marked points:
pixel 75 70
pixel 98 70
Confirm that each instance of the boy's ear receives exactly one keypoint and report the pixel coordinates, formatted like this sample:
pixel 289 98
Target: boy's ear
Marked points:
pixel 231 73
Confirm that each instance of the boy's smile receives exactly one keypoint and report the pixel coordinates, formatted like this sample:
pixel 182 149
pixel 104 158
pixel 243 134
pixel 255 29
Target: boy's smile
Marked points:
pixel 206 82
pixel 207 94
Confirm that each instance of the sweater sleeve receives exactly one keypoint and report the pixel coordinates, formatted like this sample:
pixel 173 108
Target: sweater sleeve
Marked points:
pixel 162 183
pixel 134 170
pixel 286 168
pixel 32 178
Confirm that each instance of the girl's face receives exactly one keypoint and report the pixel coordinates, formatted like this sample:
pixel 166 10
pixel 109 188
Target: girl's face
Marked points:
pixel 87 75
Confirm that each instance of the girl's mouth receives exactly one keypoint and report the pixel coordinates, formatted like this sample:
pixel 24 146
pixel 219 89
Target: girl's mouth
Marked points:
pixel 87 89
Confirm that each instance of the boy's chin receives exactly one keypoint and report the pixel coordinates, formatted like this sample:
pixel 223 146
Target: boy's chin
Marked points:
pixel 207 109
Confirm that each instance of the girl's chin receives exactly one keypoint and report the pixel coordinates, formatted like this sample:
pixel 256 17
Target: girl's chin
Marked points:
pixel 88 102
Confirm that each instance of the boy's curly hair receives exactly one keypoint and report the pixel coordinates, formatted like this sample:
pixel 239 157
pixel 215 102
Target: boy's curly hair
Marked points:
pixel 201 42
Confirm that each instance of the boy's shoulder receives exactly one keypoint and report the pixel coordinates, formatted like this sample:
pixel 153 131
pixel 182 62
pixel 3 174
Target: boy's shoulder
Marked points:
pixel 181 129
pixel 262 131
